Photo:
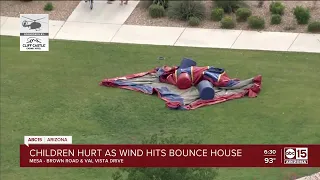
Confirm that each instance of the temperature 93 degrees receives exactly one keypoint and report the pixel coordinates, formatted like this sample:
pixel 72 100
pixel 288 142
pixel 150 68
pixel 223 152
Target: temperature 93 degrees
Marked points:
pixel 269 160
pixel 269 156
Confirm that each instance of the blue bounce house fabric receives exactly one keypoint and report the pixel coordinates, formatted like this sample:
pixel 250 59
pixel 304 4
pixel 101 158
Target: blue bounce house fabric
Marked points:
pixel 186 62
pixel 206 90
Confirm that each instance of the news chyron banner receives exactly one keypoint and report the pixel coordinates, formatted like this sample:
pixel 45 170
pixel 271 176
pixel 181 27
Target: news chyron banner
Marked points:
pixel 58 151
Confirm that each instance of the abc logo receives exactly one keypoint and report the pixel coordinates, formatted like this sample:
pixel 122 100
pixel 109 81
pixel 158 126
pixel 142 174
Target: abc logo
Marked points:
pixel 290 153
pixel 296 153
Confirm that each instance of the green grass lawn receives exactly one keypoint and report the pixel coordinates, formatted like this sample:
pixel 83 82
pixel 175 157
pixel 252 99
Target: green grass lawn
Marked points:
pixel 58 93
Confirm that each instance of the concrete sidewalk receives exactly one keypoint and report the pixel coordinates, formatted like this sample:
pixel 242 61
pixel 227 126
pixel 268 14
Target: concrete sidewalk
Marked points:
pixel 315 176
pixel 102 29
pixel 105 23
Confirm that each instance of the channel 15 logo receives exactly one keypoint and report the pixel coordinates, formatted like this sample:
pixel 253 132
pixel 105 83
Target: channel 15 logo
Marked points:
pixel 295 155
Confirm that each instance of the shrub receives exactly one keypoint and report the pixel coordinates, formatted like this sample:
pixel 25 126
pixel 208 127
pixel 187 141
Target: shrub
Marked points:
pixel 302 14
pixel 217 14
pixel 277 8
pixel 256 22
pixel 48 7
pixel 243 14
pixel 230 6
pixel 163 3
pixel 194 21
pixel 228 23
pixel 156 11
pixel 183 10
pixel 275 19
pixel 314 26
pixel 165 173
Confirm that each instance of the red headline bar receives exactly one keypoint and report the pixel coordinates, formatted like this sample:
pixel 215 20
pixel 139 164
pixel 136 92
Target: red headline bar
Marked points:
pixel 170 156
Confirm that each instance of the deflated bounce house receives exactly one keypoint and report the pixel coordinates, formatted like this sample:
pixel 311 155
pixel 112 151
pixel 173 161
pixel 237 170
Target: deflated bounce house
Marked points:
pixel 188 86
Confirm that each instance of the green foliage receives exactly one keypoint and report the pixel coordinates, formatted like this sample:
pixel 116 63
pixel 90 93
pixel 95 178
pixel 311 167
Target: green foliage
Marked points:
pixel 277 8
pixel 217 14
pixel 228 23
pixel 156 11
pixel 302 14
pixel 194 21
pixel 48 6
pixel 183 10
pixel 314 26
pixel 243 14
pixel 230 6
pixel 163 3
pixel 166 173
pixel 275 19
pixel 256 22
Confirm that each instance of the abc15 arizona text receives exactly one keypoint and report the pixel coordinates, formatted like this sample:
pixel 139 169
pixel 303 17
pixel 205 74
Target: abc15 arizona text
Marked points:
pixel 296 155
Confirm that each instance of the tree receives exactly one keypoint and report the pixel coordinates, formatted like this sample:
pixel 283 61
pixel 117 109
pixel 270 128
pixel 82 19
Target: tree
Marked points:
pixel 165 173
